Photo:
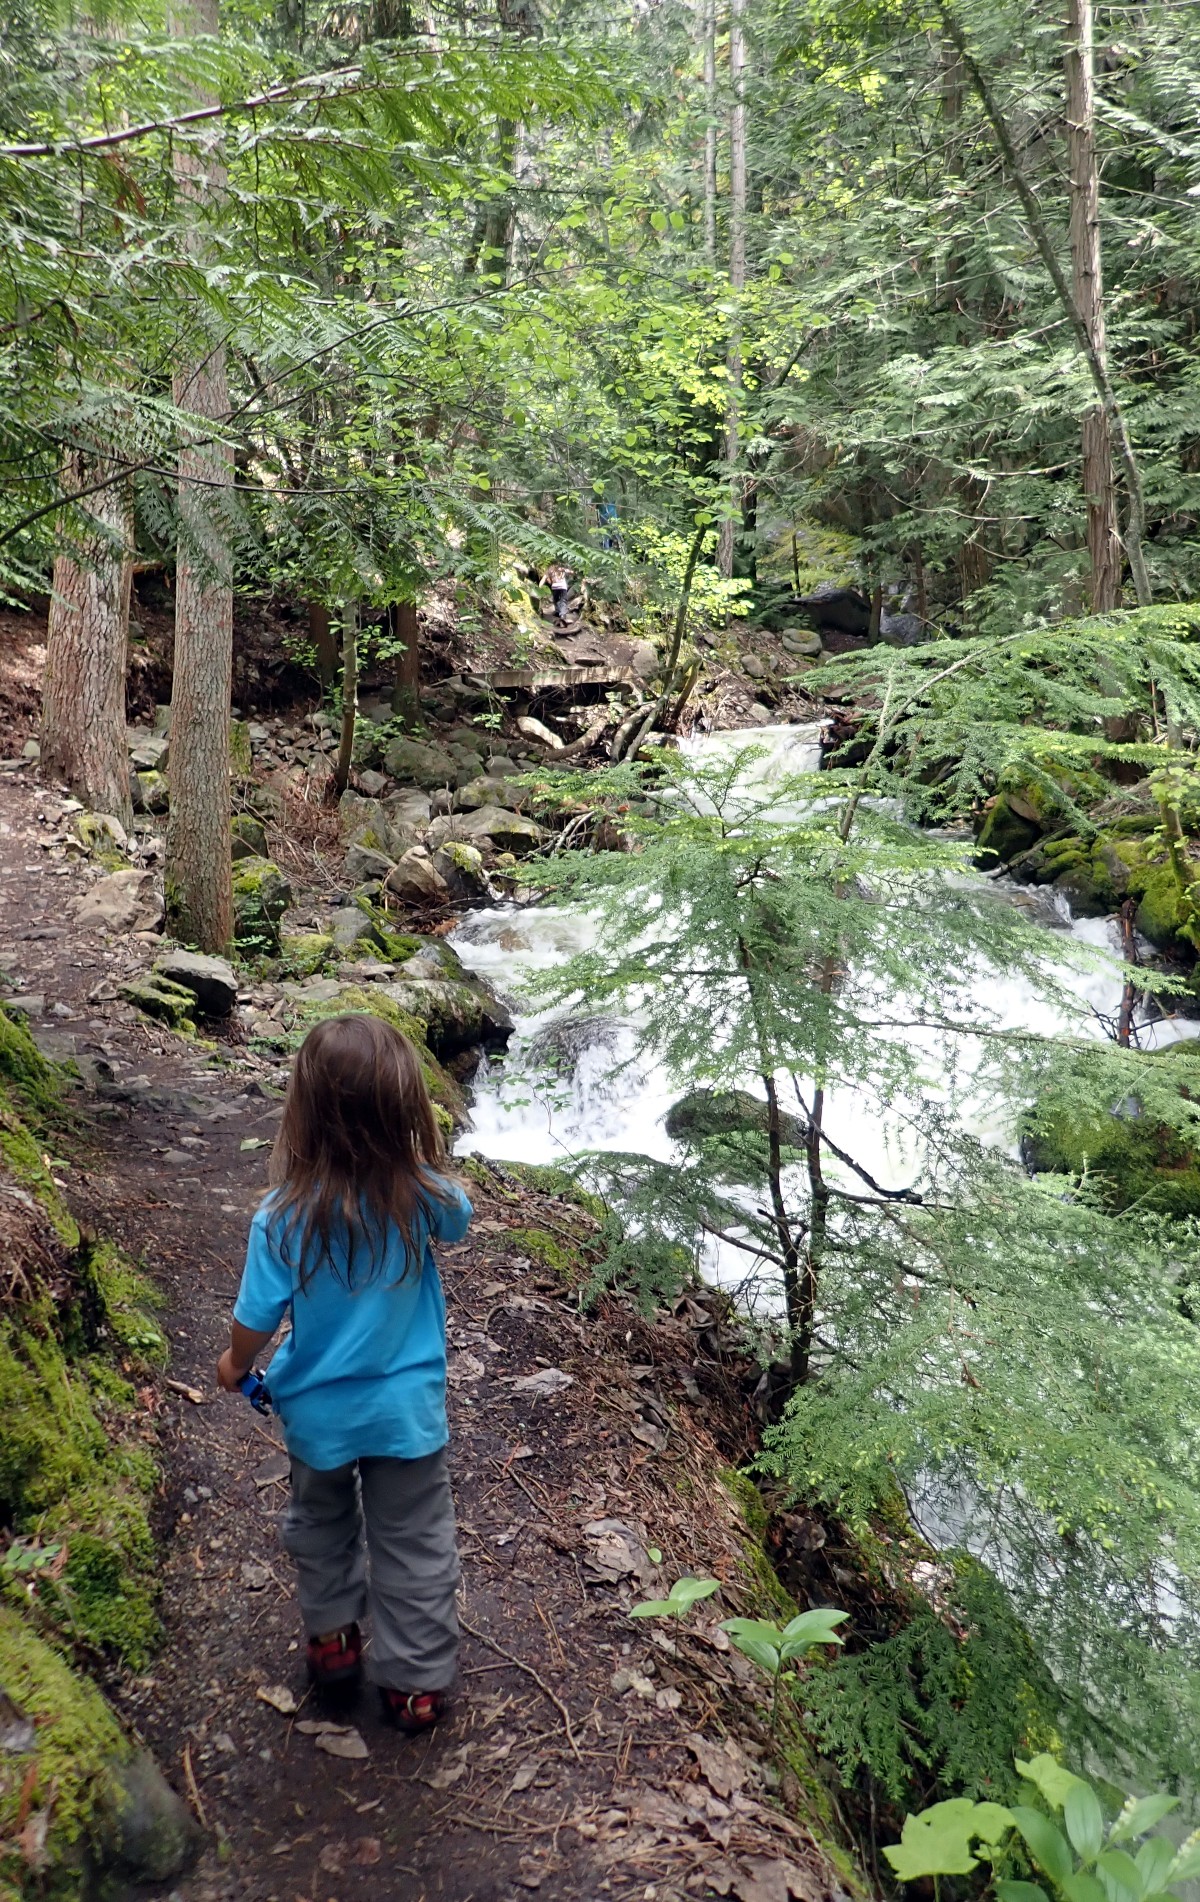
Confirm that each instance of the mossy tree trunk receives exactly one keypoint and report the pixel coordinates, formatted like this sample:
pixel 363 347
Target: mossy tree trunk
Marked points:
pixel 199 884
pixel 345 752
pixel 87 638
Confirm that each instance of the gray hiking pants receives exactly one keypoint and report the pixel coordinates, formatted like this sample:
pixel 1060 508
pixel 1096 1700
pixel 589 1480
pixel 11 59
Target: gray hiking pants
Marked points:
pixel 413 1570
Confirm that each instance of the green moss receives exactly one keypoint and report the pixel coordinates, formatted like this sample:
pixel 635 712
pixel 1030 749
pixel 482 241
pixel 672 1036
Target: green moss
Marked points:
pixel 103 839
pixel 398 946
pixel 25 1071
pixel 548 1250
pixel 1131 1157
pixel 548 1180
pixel 123 1297
pixel 749 1500
pixel 241 757
pixel 304 953
pixel 160 997
pixel 261 895
pixel 78 1744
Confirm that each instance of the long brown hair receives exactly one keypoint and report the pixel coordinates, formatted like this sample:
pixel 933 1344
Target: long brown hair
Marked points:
pixel 358 1150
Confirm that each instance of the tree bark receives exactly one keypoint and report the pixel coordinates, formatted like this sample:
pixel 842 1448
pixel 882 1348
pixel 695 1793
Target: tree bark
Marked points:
pixel 1099 485
pixel 406 688
pixel 345 752
pixel 199 883
pixel 737 267
pixel 709 30
pixel 324 644
pixel 1135 520
pixel 87 637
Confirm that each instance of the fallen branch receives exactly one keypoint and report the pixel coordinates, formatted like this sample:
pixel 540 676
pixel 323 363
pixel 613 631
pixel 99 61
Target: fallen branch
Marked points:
pixel 529 1671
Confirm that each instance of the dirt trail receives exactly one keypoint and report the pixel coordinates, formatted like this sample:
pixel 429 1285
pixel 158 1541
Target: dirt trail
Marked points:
pixel 584 1758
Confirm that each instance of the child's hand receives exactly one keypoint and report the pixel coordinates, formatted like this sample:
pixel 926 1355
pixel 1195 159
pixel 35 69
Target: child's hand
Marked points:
pixel 229 1373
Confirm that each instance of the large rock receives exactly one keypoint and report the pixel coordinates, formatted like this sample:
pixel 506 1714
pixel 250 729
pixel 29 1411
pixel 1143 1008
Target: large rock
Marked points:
pixel 102 837
pixel 160 997
pixel 1130 1155
pixel 1005 833
pixel 389 827
pixel 418 761
pixel 150 792
pixel 491 828
pixel 147 751
pixel 458 1016
pixel 703 1114
pixel 364 863
pixel 352 929
pixel 210 980
pixel 408 807
pixel 124 901
pixel 486 791
pixel 249 837
pixel 416 880
pixel 307 951
pixel 461 867
pixel 261 895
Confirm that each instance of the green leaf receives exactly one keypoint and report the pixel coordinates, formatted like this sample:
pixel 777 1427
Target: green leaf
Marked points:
pixel 658 220
pixel 1121 1875
pixel 1010 1891
pixel 653 1608
pixel 1085 1821
pixel 652 1551
pixel 1186 1866
pixel 1047 1845
pixel 689 1591
pixel 1082 1887
pixel 1140 1814
pixel 750 1640
pixel 1048 1774
pixel 1153 1859
pixel 935 1843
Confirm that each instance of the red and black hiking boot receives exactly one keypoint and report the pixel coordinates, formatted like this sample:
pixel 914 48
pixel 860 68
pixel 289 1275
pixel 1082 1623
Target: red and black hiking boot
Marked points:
pixel 335 1663
pixel 412 1711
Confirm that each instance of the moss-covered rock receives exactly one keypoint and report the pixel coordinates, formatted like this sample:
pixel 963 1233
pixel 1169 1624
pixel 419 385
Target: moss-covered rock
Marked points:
pixel 24 1071
pixel 306 952
pixel 151 791
pixel 249 836
pixel 374 1002
pixel 162 998
pixel 1004 834
pixel 1131 1156
pixel 103 838
pixel 261 895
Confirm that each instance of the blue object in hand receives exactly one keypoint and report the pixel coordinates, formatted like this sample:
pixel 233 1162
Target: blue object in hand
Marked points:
pixel 255 1388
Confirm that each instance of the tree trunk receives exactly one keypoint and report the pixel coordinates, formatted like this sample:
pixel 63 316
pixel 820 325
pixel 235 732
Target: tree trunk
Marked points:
pixel 87 636
pixel 324 644
pixel 1099 486
pixel 406 688
pixel 737 266
pixel 1097 361
pixel 345 752
pixel 199 884
pixel 709 30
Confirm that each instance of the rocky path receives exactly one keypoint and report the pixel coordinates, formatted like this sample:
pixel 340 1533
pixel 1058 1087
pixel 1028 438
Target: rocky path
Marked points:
pixel 585 1756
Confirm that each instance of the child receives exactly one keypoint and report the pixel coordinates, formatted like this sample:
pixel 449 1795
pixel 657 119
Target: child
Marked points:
pixel 359 1384
pixel 558 578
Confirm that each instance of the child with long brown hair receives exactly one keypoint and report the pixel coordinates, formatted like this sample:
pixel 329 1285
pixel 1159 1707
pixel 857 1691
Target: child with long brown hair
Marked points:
pixel 342 1245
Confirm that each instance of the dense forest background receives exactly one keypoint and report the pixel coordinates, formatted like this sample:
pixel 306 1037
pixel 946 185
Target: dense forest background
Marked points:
pixel 871 324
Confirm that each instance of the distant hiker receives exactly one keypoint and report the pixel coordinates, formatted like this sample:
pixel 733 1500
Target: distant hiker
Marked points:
pixel 606 520
pixel 558 579
pixel 342 1247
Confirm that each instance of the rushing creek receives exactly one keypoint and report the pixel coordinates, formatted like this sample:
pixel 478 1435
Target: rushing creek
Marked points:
pixel 573 1081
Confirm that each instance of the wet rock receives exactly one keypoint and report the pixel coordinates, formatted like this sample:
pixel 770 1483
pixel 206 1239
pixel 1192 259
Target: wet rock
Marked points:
pixel 903 630
pixel 210 980
pixel 159 997
pixel 364 864
pixel 151 1834
pixel 416 879
pixel 124 901
pixel 420 762
pixel 249 837
pixel 261 895
pixel 459 1016
pixel 461 868
pixel 150 792
pixel 1005 833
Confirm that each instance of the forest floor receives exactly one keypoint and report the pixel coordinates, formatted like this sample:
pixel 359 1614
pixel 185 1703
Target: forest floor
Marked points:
pixel 586 1756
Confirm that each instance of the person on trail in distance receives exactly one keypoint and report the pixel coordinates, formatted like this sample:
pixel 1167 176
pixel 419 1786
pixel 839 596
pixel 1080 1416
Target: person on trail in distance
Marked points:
pixel 343 1246
pixel 558 579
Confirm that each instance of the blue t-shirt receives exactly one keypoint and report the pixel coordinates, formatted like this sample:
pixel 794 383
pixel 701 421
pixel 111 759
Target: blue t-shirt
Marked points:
pixel 363 1370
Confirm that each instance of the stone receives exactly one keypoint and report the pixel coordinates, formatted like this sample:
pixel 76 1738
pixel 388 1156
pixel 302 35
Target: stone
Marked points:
pixel 261 895
pixel 373 783
pixel 31 750
pixel 753 667
pixel 150 792
pixel 149 1833
pixel 124 901
pixel 210 980
pixel 499 766
pixel 249 837
pixel 158 997
pixel 26 1004
pixel 458 1016
pixel 422 763
pixel 702 1115
pixel 1004 833
pixel 488 828
pixel 1131 1157
pixel 800 641
pixel 645 661
pixel 364 863
pixel 416 879
pixel 100 835
pixel 257 735
pixel 461 868
pixel 352 926
pixel 758 715
pixel 147 751
pixel 409 806
pixel 486 791
pixel 161 722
